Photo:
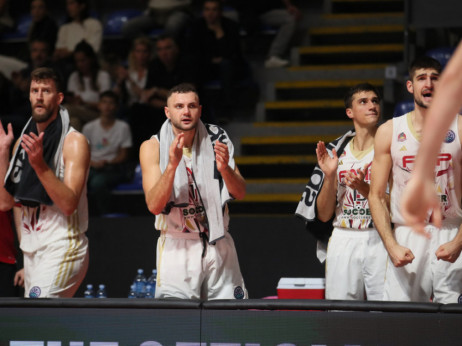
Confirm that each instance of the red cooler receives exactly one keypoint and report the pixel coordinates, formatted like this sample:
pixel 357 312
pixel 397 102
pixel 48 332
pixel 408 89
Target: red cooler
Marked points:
pixel 301 288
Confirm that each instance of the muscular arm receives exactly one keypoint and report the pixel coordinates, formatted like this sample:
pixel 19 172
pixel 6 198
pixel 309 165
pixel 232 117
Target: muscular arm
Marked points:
pixel 378 201
pixel 158 186
pixel 76 155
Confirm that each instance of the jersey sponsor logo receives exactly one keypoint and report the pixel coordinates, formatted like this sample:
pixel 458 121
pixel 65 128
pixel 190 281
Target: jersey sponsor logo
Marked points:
pixel 35 292
pixel 450 137
pixel 342 174
pixel 442 157
pixel 193 211
pixel 239 292
pixel 402 137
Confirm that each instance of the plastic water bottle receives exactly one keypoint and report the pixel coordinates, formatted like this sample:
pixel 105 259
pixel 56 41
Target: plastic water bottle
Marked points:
pixel 89 293
pixel 140 284
pixel 101 293
pixel 148 294
pixel 152 281
pixel 132 293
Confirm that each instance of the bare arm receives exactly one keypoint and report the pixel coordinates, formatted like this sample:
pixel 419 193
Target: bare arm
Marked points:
pixel 327 197
pixel 6 138
pixel 420 195
pixel 232 177
pixel 378 201
pixel 76 155
pixel 158 186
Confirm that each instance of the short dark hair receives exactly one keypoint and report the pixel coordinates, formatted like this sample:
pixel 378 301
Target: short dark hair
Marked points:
pixel 111 94
pixel 43 73
pixel 348 100
pixel 424 61
pixel 183 88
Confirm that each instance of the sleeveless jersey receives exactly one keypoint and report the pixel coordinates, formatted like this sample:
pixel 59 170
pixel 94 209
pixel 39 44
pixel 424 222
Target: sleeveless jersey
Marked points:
pixel 352 209
pixel 187 222
pixel 45 224
pixel 404 147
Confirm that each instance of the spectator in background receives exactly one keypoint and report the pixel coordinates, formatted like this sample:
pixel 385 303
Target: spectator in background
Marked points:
pixel 43 26
pixel 171 15
pixel 131 82
pixel 274 13
pixel 168 69
pixel 216 47
pixel 110 144
pixel 85 85
pixel 80 26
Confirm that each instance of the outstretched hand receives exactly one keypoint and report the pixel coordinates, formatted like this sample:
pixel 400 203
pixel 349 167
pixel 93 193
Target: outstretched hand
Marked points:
pixel 33 145
pixel 418 198
pixel 327 163
pixel 221 155
pixel 6 138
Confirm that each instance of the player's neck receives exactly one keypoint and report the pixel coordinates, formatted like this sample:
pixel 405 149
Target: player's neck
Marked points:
pixel 364 138
pixel 417 119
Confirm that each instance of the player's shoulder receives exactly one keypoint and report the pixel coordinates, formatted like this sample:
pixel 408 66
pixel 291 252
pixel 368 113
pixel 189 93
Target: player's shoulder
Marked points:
pixel 385 129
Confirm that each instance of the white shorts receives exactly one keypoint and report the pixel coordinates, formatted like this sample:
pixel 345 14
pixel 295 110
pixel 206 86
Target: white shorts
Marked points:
pixel 183 273
pixel 355 265
pixel 56 270
pixel 426 278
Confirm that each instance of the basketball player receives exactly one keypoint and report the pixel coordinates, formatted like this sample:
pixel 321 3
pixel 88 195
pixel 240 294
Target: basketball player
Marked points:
pixel 189 175
pixel 419 195
pixel 420 269
pixel 46 177
pixel 356 258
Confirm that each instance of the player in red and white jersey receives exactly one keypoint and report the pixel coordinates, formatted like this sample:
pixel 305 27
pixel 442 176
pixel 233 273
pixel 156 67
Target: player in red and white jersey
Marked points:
pixel 356 258
pixel 424 268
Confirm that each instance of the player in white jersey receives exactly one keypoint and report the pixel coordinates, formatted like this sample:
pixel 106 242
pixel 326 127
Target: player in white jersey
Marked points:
pixel 420 268
pixel 46 178
pixel 419 195
pixel 189 174
pixel 356 258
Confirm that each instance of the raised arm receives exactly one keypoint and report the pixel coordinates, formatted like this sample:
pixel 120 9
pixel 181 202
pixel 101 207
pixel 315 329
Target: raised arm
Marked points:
pixel 327 198
pixel 232 177
pixel 76 156
pixel 6 138
pixel 378 201
pixel 158 186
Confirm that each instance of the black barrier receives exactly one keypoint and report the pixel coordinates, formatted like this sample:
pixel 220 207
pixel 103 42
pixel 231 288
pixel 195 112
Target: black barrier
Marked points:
pixel 253 322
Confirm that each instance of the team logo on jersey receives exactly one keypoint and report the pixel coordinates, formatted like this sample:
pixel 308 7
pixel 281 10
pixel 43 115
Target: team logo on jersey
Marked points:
pixel 450 136
pixel 239 292
pixel 35 292
pixel 403 148
pixel 402 137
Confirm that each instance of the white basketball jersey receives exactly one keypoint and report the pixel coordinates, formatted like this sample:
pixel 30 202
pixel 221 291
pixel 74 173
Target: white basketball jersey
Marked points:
pixel 353 208
pixel 404 146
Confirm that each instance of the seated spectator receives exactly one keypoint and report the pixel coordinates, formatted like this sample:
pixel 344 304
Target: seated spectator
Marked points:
pixel 43 26
pixel 131 82
pixel 80 26
pixel 85 85
pixel 110 142
pixel 216 47
pixel 168 69
pixel 276 13
pixel 171 15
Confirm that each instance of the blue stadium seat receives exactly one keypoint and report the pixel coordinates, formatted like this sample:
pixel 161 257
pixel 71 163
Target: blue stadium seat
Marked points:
pixel 403 107
pixel 116 19
pixel 442 54
pixel 135 186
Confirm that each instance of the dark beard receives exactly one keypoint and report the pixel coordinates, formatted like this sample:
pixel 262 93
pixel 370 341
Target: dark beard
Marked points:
pixel 420 104
pixel 41 118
